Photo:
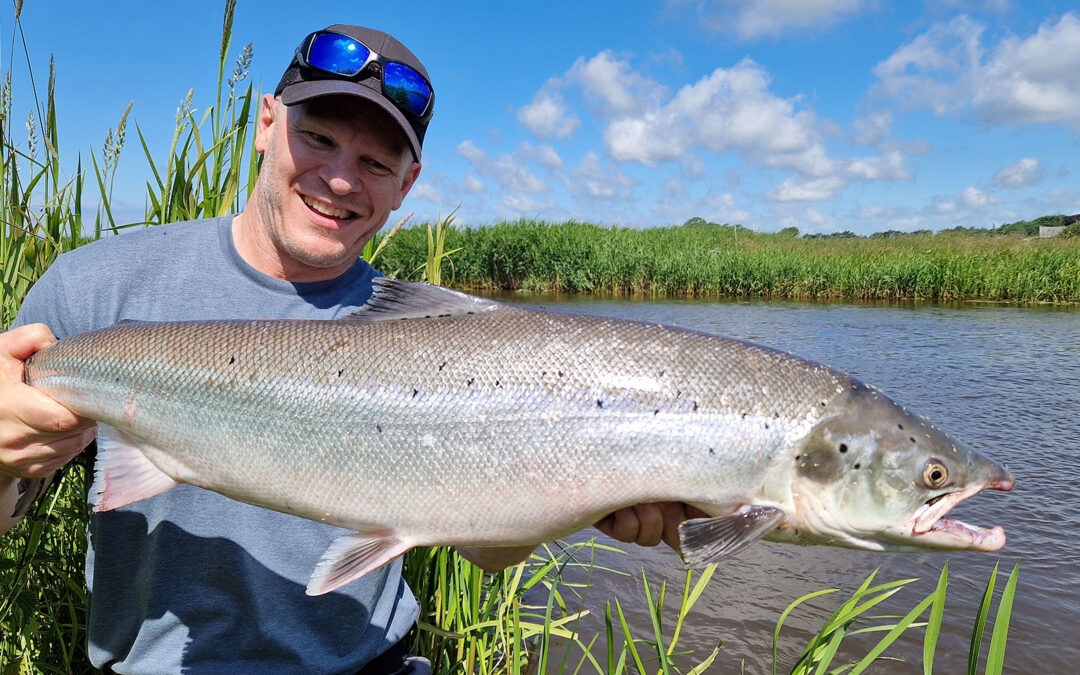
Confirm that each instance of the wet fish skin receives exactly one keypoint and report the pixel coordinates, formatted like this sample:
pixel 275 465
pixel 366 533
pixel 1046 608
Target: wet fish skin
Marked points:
pixel 435 417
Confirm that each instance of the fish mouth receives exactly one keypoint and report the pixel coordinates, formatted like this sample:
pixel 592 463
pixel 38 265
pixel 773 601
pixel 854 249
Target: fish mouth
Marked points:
pixel 929 528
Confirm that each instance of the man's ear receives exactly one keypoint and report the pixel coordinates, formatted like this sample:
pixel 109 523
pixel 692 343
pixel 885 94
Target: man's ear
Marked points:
pixel 265 122
pixel 411 174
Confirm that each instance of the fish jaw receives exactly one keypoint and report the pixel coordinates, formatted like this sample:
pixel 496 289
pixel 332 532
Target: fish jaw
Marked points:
pixel 928 527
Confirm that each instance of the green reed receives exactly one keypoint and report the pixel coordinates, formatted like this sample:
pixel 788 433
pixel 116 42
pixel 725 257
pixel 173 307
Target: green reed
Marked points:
pixel 697 260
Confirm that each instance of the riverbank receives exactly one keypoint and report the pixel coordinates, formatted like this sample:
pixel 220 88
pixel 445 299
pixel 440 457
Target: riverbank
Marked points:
pixel 720 260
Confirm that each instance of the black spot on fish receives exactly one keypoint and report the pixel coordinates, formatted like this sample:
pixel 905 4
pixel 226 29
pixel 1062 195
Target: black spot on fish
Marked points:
pixel 711 451
pixel 232 360
pixel 661 373
pixel 379 427
pixel 599 403
pixel 656 412
pixel 340 372
pixel 470 382
pixel 843 447
pixel 776 415
pixel 560 373
pixel 543 373
pixel 695 406
pixel 901 426
pixel 857 466
pixel 497 384
pixel 415 392
pixel 912 439
pixel 441 366
pixel 797 457
pixel 766 425
pixel 744 415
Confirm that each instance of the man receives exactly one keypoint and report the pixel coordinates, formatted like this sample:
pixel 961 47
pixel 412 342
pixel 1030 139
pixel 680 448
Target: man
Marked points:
pixel 190 580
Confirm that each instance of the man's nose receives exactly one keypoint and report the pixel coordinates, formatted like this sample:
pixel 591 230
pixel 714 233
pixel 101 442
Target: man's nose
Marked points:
pixel 341 176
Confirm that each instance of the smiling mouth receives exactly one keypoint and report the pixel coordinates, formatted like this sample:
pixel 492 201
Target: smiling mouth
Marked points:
pixel 326 209
pixel 931 529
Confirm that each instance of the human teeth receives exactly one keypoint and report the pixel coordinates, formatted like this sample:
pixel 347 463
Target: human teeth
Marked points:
pixel 327 210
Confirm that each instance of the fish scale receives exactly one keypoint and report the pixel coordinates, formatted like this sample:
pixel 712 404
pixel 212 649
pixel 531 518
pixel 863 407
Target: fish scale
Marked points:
pixel 434 417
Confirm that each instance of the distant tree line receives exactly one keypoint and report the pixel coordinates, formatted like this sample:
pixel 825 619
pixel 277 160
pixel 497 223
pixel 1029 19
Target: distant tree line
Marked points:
pixel 1028 228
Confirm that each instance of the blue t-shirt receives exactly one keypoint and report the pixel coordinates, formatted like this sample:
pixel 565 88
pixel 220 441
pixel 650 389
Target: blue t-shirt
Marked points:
pixel 190 580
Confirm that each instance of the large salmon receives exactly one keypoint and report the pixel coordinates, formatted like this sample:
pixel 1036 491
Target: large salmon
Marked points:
pixel 435 417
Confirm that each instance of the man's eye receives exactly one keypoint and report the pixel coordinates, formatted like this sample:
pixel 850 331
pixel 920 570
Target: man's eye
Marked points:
pixel 318 139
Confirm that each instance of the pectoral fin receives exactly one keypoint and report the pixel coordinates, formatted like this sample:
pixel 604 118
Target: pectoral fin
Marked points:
pixel 122 473
pixel 353 556
pixel 706 540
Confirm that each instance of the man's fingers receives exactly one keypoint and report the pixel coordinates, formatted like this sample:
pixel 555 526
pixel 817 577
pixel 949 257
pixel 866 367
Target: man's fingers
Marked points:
pixel 650 524
pixel 41 459
pixel 17 344
pixel 674 513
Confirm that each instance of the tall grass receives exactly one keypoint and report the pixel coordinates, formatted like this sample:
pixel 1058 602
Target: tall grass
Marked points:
pixel 209 171
pixel 706 260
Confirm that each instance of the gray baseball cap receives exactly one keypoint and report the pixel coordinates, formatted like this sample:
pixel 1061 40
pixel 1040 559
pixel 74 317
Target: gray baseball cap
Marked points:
pixel 411 102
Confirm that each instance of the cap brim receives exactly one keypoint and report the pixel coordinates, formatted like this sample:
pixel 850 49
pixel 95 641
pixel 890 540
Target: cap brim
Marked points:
pixel 299 92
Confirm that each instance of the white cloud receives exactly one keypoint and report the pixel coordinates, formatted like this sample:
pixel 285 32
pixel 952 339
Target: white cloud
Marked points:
pixel 508 171
pixel 544 155
pixel 613 87
pixel 974 198
pixel 1023 80
pixel 888 166
pixel 873 128
pixel 799 189
pixel 595 180
pixel 1034 79
pixel 428 192
pixel 472 185
pixel 751 19
pixel 526 204
pixel 936 69
pixel 547 116
pixel 1018 174
pixel 730 109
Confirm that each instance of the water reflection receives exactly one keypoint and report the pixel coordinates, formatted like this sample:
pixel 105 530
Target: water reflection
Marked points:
pixel 1003 380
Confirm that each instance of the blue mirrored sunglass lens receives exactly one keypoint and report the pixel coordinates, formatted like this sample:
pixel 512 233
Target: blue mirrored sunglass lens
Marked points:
pixel 406 87
pixel 337 54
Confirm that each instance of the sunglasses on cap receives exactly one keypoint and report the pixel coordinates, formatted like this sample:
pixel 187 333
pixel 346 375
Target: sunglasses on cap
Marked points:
pixel 346 58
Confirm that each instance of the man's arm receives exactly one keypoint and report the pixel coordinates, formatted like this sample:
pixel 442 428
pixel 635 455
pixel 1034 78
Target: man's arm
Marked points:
pixel 37 434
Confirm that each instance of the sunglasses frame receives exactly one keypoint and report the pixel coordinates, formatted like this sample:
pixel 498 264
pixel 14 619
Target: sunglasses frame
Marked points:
pixel 304 49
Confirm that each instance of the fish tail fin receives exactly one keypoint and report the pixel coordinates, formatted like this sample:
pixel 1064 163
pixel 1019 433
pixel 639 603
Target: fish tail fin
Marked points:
pixel 351 556
pixel 122 472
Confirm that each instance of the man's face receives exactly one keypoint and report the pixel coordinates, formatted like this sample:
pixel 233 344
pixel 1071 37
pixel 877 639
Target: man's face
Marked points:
pixel 333 170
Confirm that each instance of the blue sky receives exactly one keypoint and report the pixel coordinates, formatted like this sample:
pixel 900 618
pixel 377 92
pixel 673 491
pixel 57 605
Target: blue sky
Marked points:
pixel 826 115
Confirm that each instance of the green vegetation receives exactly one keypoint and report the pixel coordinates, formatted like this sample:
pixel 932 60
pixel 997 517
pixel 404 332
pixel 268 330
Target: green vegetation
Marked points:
pixel 527 616
pixel 706 259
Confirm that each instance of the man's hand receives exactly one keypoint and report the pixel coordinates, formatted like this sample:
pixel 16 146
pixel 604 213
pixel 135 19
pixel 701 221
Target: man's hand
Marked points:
pixel 649 524
pixel 37 434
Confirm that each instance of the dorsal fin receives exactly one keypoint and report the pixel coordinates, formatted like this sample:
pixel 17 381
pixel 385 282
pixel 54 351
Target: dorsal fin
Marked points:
pixel 397 299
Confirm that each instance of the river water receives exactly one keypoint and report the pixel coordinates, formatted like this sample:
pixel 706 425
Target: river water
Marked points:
pixel 1003 380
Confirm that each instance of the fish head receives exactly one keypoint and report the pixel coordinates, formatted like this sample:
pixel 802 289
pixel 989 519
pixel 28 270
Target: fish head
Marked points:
pixel 871 475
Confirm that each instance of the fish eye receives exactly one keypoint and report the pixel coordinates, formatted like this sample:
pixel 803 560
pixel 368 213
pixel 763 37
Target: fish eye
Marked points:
pixel 935 474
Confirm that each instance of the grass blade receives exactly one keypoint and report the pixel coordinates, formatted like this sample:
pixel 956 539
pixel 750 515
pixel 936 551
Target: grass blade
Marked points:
pixel 995 659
